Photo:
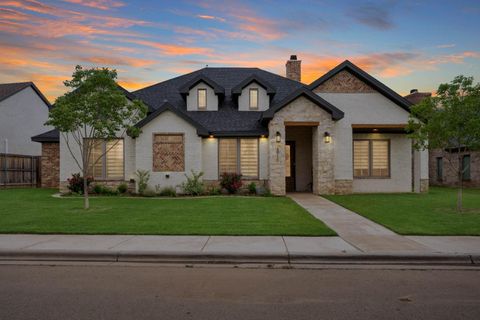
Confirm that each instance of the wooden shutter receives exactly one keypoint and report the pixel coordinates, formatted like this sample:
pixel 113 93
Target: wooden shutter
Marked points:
pixel 380 158
pixel 361 158
pixel 114 159
pixel 168 152
pixel 249 158
pixel 227 156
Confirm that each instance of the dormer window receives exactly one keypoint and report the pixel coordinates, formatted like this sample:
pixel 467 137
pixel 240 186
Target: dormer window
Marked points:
pixel 253 99
pixel 202 99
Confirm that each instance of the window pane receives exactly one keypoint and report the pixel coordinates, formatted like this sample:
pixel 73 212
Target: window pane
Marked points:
pixel 361 158
pixel 96 160
pixel 254 98
pixel 380 159
pixel 202 98
pixel 227 156
pixel 168 153
pixel 114 164
pixel 249 157
pixel 466 167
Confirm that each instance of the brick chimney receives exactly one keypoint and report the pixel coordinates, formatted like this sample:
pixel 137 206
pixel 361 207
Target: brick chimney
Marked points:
pixel 293 68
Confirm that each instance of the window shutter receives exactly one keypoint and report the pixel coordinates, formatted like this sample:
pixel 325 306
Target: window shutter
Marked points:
pixel 361 158
pixel 249 157
pixel 114 164
pixel 168 153
pixel 227 156
pixel 380 158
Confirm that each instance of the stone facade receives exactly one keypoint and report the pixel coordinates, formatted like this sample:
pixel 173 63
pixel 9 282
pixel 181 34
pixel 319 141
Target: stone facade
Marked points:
pixel 302 110
pixel 424 184
pixel 343 186
pixel 293 69
pixel 450 165
pixel 50 165
pixel 344 82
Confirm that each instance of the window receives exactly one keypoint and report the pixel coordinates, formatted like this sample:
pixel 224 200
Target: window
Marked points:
pixel 107 159
pixel 439 168
pixel 168 153
pixel 238 156
pixel 466 167
pixel 254 99
pixel 371 158
pixel 202 98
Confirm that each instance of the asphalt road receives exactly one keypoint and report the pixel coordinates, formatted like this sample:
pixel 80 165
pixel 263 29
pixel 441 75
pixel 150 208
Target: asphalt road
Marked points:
pixel 160 292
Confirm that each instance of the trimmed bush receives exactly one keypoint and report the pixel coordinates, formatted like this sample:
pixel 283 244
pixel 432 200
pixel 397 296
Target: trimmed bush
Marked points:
pixel 75 183
pixel 231 181
pixel 167 192
pixel 193 186
pixel 252 188
pixel 122 188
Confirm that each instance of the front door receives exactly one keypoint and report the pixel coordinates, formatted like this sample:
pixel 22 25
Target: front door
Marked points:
pixel 290 166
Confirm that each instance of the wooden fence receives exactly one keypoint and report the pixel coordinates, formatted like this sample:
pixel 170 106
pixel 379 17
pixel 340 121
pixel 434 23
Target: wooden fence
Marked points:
pixel 19 170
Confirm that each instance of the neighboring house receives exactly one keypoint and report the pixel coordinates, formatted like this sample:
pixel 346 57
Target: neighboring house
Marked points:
pixel 23 113
pixel 343 133
pixel 443 164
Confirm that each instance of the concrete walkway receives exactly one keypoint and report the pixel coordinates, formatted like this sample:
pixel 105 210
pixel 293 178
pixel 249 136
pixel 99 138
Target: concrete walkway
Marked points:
pixel 358 231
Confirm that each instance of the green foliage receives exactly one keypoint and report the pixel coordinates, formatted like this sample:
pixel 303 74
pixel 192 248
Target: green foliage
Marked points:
pixel 143 178
pixel 76 183
pixel 149 192
pixel 450 119
pixel 231 181
pixel 166 191
pixel 214 191
pixel 252 188
pixel 194 185
pixel 104 190
pixel 122 188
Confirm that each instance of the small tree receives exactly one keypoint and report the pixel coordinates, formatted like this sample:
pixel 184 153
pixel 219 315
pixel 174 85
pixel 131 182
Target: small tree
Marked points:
pixel 449 121
pixel 94 109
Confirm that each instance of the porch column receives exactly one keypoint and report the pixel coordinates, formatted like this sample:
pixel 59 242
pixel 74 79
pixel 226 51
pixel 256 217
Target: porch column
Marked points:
pixel 323 160
pixel 276 157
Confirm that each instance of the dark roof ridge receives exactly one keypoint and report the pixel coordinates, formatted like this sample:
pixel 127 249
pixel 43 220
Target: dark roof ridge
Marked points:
pixel 253 78
pixel 218 89
pixel 21 86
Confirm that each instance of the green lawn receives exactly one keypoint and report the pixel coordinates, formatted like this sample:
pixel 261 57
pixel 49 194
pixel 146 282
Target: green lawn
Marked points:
pixel 35 211
pixel 419 214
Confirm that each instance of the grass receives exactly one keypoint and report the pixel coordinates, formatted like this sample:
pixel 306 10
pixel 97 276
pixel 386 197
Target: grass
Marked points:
pixel 419 214
pixel 35 211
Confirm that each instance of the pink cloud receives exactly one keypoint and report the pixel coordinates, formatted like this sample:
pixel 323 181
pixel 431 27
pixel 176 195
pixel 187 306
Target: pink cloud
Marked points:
pixel 98 4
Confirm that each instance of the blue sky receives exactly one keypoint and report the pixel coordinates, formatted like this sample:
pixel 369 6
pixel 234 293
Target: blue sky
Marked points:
pixel 405 44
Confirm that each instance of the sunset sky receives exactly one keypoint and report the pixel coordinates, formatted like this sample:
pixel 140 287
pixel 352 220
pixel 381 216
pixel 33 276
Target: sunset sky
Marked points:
pixel 405 44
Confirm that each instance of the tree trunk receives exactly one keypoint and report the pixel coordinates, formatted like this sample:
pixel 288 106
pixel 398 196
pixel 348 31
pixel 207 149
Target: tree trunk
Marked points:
pixel 86 202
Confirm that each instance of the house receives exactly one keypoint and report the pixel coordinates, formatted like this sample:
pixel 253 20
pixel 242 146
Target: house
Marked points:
pixel 23 113
pixel 343 133
pixel 443 164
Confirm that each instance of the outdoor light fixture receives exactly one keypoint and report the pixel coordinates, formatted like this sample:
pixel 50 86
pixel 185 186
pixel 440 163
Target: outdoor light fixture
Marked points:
pixel 278 137
pixel 327 138
pixel 210 136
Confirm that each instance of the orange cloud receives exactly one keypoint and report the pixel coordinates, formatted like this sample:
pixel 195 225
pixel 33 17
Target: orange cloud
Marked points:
pixel 133 84
pixel 172 49
pixel 207 17
pixel 98 4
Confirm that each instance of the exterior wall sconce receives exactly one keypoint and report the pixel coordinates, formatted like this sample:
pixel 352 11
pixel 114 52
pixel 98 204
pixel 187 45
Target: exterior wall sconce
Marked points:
pixel 278 137
pixel 327 137
pixel 210 136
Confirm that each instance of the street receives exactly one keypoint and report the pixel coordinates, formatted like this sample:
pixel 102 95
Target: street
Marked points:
pixel 216 292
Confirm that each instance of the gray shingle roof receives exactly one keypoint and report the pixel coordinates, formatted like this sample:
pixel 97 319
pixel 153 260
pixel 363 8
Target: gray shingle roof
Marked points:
pixel 9 89
pixel 49 136
pixel 227 120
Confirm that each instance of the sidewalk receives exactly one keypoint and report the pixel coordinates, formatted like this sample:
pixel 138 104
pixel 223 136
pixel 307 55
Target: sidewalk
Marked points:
pixel 227 249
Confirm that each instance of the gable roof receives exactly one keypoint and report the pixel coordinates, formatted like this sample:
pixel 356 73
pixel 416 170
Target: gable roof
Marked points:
pixel 227 121
pixel 336 113
pixel 201 78
pixel 9 89
pixel 253 78
pixel 367 78
pixel 168 107
pixel 49 136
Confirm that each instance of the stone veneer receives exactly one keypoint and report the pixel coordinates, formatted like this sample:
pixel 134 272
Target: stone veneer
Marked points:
pixel 343 186
pixel 50 165
pixel 424 185
pixel 344 82
pixel 302 110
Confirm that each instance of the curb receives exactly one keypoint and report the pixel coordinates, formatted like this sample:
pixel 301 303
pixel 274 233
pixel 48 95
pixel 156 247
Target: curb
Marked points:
pixel 239 258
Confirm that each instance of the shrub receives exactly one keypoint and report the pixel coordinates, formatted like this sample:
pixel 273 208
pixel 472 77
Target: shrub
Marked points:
pixel 149 192
pixel 98 189
pixel 214 191
pixel 193 186
pixel 122 188
pixel 252 188
pixel 231 181
pixel 104 190
pixel 166 192
pixel 75 183
pixel 143 178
